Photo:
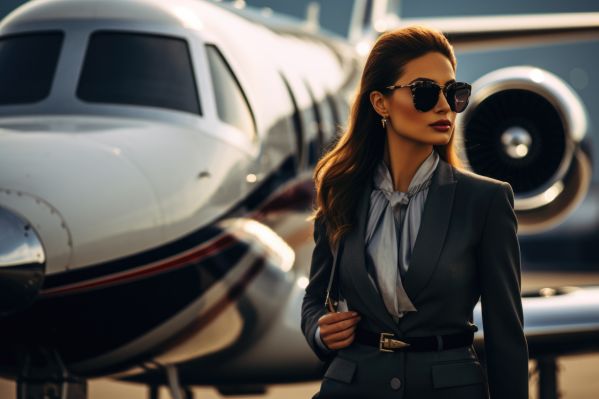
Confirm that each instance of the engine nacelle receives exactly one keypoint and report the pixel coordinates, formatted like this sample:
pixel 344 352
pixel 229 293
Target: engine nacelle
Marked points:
pixel 22 263
pixel 526 126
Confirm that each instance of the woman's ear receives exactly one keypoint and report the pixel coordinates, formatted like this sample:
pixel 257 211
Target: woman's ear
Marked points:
pixel 378 103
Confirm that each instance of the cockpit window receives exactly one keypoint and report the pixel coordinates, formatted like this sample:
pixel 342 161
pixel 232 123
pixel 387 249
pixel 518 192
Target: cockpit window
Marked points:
pixel 139 69
pixel 27 65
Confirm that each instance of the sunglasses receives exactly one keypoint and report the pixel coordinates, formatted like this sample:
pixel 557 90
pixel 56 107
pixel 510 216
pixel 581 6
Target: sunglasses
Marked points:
pixel 425 94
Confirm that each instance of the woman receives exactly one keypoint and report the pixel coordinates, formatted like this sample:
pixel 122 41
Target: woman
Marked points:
pixel 417 242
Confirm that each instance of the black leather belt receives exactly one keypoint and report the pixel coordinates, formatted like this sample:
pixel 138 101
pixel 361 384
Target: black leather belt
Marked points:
pixel 387 343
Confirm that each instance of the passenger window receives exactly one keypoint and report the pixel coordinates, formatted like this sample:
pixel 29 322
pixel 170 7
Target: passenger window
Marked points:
pixel 139 69
pixel 296 119
pixel 27 66
pixel 315 144
pixel 334 113
pixel 232 105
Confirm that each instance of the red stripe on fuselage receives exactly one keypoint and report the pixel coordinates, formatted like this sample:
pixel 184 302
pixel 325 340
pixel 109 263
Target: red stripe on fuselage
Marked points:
pixel 203 251
pixel 273 204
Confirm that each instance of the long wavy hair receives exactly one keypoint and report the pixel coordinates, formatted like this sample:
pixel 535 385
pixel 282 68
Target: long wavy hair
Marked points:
pixel 353 158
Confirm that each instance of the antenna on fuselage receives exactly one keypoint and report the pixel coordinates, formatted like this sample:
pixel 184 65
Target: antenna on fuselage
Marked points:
pixel 312 16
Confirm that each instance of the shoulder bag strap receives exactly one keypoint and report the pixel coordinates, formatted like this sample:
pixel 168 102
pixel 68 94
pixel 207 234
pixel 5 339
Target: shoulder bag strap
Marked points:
pixel 331 305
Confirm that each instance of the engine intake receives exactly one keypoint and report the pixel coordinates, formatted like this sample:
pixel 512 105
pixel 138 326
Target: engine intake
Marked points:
pixel 526 126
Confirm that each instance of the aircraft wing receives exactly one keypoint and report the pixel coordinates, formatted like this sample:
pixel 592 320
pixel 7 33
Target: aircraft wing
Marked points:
pixel 483 30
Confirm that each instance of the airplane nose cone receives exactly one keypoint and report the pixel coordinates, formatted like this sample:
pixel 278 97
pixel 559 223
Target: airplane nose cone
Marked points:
pixel 22 263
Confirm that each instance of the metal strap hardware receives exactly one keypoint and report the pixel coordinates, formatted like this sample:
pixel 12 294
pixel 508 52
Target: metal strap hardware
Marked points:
pixel 388 344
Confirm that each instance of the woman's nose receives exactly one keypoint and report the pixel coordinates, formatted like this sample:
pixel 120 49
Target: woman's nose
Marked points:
pixel 442 105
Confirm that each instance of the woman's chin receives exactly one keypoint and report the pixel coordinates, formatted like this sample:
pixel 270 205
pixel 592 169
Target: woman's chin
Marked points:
pixel 437 140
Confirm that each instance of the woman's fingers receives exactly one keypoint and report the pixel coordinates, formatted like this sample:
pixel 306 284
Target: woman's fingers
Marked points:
pixel 327 329
pixel 342 344
pixel 339 336
pixel 331 318
pixel 330 329
pixel 337 329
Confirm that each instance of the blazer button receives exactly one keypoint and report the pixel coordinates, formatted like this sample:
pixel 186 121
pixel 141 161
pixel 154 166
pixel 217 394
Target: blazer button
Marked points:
pixel 395 383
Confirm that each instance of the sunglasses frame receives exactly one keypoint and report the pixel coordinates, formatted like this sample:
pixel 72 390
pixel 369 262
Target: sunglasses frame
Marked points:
pixel 414 85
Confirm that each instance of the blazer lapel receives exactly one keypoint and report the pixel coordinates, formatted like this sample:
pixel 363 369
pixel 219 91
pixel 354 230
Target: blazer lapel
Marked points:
pixel 353 261
pixel 433 229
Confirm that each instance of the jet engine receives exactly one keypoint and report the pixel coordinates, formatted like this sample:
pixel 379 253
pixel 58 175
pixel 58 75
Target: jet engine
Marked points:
pixel 22 262
pixel 526 126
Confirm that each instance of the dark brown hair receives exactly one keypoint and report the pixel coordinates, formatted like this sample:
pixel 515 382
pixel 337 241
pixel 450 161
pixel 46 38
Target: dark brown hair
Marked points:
pixel 353 158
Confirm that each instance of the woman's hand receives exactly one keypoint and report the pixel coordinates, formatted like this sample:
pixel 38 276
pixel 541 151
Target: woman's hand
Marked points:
pixel 337 329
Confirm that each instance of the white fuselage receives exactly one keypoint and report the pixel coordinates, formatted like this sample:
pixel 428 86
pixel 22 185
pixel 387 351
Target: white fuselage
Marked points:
pixel 126 178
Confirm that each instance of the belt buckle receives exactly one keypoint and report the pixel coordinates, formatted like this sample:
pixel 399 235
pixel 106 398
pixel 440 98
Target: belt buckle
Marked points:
pixel 388 344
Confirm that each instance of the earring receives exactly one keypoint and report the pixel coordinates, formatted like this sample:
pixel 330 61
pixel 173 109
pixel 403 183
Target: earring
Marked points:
pixel 384 122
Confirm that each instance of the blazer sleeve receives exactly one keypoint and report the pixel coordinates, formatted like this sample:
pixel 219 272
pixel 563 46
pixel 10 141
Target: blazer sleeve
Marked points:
pixel 498 253
pixel 313 303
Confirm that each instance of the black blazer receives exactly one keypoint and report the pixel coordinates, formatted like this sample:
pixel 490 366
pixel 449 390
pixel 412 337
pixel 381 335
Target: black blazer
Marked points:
pixel 466 249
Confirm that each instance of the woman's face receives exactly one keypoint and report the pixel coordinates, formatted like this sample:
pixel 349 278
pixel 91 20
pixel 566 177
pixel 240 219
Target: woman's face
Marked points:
pixel 403 118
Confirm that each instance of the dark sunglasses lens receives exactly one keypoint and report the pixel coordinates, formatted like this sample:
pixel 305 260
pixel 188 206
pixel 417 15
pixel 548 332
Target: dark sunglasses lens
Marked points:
pixel 458 98
pixel 426 96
